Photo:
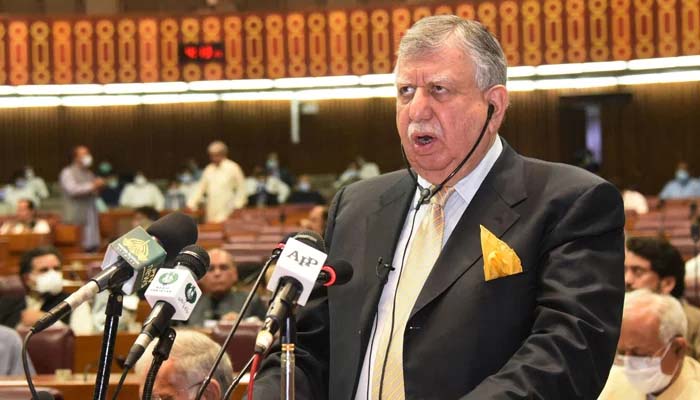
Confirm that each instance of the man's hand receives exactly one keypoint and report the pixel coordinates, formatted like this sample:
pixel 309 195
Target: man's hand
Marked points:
pixel 29 317
pixel 229 316
pixel 98 183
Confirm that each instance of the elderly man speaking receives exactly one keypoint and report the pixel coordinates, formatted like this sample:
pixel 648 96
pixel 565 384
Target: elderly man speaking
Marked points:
pixel 479 273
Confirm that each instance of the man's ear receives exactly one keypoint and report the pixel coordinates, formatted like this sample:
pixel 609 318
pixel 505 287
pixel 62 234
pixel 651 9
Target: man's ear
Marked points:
pixel 213 391
pixel 667 284
pixel 497 97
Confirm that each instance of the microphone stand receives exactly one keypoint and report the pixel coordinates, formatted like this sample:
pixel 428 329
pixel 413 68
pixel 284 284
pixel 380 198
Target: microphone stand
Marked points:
pixel 237 322
pixel 109 336
pixel 287 359
pixel 160 353
pixel 238 378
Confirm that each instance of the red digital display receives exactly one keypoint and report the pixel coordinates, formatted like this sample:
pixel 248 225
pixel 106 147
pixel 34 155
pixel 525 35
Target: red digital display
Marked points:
pixel 202 52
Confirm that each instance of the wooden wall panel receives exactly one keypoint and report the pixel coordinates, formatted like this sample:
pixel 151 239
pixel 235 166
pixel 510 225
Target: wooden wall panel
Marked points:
pixel 643 138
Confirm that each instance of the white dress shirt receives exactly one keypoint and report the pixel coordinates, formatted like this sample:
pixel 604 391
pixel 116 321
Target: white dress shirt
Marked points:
pixel 465 190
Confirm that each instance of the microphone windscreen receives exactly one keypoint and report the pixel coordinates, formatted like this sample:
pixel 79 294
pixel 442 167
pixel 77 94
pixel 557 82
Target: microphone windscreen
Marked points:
pixel 174 231
pixel 343 271
pixel 195 258
pixel 44 395
pixel 312 239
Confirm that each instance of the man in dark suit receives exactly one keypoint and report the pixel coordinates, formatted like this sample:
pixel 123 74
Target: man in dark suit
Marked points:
pixel 486 276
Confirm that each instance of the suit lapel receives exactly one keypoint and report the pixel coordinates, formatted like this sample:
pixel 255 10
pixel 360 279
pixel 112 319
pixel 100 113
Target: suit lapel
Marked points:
pixel 384 226
pixel 491 207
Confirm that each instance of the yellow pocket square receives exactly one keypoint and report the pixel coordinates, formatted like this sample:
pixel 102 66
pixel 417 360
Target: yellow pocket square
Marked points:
pixel 499 259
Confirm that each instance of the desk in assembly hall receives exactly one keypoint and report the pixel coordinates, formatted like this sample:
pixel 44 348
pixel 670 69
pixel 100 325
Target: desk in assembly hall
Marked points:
pixel 81 386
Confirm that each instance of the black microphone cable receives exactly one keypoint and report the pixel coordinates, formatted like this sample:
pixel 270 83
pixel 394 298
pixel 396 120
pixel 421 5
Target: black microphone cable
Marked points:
pixel 237 322
pixel 160 353
pixel 426 193
pixel 25 365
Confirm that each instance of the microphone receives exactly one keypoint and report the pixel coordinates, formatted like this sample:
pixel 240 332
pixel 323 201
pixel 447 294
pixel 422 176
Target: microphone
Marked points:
pixel 338 275
pixel 293 280
pixel 134 251
pixel 173 294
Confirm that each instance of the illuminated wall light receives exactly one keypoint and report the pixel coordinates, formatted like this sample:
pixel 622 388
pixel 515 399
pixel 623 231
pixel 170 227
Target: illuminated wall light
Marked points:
pixel 153 87
pixel 97 101
pixel 29 101
pixel 344 93
pixel 237 84
pixel 521 72
pixel 688 61
pixel 39 90
pixel 5 90
pixel 607 66
pixel 652 63
pixel 520 86
pixel 377 79
pixel 258 96
pixel 580 83
pixel 384 91
pixel 662 77
pixel 321 81
pixel 559 69
pixel 199 97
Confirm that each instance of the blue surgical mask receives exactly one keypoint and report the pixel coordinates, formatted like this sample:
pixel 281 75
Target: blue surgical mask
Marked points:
pixel 682 175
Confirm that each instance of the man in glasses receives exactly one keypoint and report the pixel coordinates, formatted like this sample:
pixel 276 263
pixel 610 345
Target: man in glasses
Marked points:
pixel 220 299
pixel 651 361
pixel 179 377
pixel 653 263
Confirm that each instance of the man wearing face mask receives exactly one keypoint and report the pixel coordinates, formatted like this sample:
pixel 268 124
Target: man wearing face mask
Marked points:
pixel 142 193
pixel 42 278
pixel 80 188
pixel 682 185
pixel 654 264
pixel 651 361
pixel 19 189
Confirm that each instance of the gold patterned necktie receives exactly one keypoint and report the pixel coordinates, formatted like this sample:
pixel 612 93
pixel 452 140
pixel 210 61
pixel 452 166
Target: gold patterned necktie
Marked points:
pixel 424 251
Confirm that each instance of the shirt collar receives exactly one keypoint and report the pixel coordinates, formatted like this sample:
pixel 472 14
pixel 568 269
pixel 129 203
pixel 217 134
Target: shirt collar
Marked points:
pixel 467 185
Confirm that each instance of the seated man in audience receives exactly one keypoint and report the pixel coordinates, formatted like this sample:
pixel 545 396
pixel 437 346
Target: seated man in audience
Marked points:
pixel 142 193
pixel 42 277
pixel 651 361
pixel 264 189
pixel 682 185
pixel 19 189
pixel 220 300
pixel 304 193
pixel 25 220
pixel 654 264
pixel 316 220
pixel 144 217
pixel 11 353
pixel 192 355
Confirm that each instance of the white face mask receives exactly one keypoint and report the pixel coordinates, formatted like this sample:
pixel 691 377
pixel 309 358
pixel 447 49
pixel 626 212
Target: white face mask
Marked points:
pixel 140 180
pixel 644 373
pixel 50 282
pixel 86 160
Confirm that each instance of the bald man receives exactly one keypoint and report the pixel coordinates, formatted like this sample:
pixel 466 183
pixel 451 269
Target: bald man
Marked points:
pixel 223 183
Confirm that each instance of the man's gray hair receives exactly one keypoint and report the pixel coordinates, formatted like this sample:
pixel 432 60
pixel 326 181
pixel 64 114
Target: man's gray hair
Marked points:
pixel 218 147
pixel 672 319
pixel 192 355
pixel 430 34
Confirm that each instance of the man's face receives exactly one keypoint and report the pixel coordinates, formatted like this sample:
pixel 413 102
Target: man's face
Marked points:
pixel 316 221
pixel 440 112
pixel 40 265
pixel 24 212
pixel 639 336
pixel 169 386
pixel 216 157
pixel 640 275
pixel 221 276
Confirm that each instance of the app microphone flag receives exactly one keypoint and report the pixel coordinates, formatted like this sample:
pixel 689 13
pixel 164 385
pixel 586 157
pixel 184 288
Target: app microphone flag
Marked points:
pixel 139 249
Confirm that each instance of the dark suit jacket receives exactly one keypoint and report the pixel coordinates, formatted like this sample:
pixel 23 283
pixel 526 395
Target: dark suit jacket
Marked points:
pixel 11 307
pixel 547 333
